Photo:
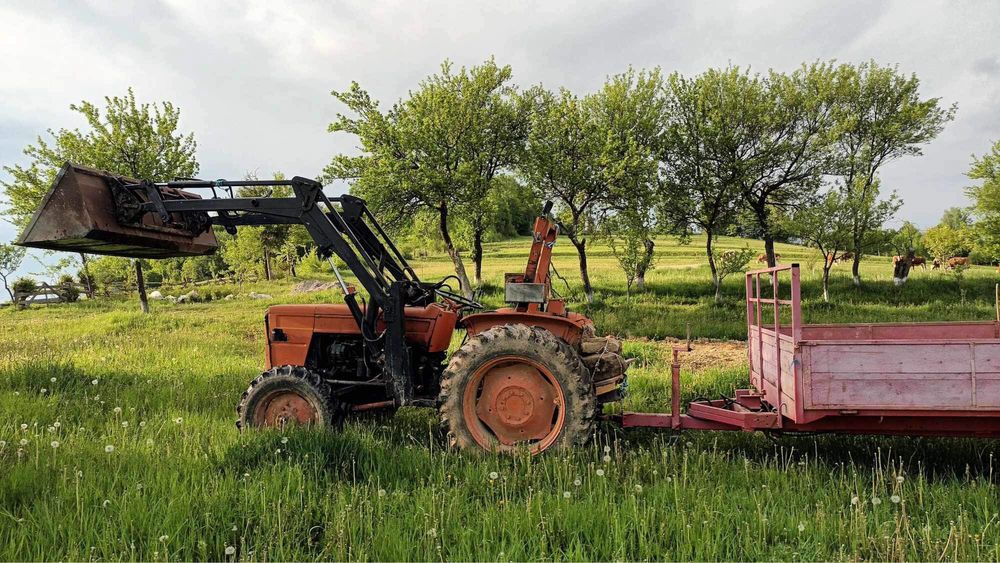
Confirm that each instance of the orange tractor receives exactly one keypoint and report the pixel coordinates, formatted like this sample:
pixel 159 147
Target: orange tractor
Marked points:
pixel 533 375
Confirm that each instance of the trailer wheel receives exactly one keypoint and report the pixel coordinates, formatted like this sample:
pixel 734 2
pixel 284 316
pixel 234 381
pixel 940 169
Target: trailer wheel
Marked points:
pixel 285 396
pixel 513 387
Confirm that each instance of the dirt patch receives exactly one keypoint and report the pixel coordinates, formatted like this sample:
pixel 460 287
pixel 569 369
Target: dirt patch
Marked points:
pixel 711 354
pixel 310 286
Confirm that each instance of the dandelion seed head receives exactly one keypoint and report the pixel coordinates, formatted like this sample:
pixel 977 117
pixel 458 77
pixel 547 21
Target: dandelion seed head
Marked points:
pixel 230 550
pixel 109 448
pixel 164 538
pixel 606 459
pixel 638 488
pixel 855 500
pixel 802 527
pixel 900 479
pixel 142 424
pixel 53 380
pixel 93 382
pixel 55 444
pixel 24 442
pixel 124 424
pixel 876 501
pixel 432 532
pixel 106 503
pixel 895 499
pixel 24 426
pixel 284 440
pixel 56 424
pixel 567 494
pixel 178 420
pixel 494 475
pixel 607 449
pixel 3 443
pixel 44 390
pixel 577 482
pixel 381 493
pixel 118 410
pixel 600 473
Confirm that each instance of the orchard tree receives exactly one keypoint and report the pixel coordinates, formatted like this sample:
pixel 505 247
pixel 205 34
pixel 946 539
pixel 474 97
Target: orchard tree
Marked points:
pixel 273 238
pixel 630 112
pixel 879 117
pixel 439 149
pixel 10 260
pixel 697 190
pixel 562 161
pixel 139 140
pixel 824 225
pixel 986 200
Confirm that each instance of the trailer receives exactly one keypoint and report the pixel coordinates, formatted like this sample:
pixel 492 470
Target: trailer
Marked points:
pixel 927 379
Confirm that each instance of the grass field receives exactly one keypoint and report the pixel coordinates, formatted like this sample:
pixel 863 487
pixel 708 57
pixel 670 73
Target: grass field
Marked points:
pixel 117 442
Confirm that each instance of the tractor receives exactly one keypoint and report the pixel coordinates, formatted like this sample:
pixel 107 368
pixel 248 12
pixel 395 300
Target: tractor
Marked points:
pixel 531 376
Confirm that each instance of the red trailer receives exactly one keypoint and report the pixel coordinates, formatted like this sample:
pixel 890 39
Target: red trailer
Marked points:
pixel 931 379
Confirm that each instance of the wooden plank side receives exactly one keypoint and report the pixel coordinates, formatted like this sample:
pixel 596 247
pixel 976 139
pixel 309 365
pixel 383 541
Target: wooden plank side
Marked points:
pixel 882 359
pixel 892 395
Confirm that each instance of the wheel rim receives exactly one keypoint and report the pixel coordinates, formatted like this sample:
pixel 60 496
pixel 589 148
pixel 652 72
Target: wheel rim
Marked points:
pixel 284 407
pixel 512 401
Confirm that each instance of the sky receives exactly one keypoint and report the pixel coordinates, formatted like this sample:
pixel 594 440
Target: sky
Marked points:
pixel 253 78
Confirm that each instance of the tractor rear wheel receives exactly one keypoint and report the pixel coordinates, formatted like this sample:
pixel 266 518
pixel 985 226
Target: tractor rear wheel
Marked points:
pixel 287 396
pixel 513 387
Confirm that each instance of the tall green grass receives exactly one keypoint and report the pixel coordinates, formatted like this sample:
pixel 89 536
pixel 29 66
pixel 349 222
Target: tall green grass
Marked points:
pixel 117 442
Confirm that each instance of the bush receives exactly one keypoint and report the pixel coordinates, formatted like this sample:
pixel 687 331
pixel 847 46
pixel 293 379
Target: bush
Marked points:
pixel 25 285
pixel 67 288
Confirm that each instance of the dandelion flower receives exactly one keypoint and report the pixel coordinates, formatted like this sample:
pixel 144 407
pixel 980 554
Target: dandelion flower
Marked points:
pixel 567 494
pixel 230 550
pixel 600 473
pixel 55 444
pixel 109 448
pixel 381 493
pixel 876 501
pixel 802 526
pixel 577 482
pixel 118 410
pixel 895 499
pixel 855 500
pixel 494 475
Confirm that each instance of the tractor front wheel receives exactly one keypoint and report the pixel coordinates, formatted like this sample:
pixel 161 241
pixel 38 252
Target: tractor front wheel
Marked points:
pixel 287 396
pixel 513 387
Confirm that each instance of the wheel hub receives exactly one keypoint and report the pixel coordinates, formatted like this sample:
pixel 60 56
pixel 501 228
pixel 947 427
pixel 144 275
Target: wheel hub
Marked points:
pixel 517 403
pixel 282 408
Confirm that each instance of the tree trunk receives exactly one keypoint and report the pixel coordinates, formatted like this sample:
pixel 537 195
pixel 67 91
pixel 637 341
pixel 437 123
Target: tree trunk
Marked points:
pixel 772 261
pixel 141 285
pixel 7 287
pixel 581 250
pixel 856 269
pixel 647 259
pixel 477 255
pixel 86 276
pixel 456 257
pixel 711 266
pixel 267 265
pixel 826 280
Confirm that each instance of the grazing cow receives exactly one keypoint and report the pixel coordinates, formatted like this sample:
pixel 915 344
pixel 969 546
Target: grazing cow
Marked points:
pixel 958 261
pixel 897 259
pixel 937 264
pixel 919 261
pixel 763 258
pixel 846 256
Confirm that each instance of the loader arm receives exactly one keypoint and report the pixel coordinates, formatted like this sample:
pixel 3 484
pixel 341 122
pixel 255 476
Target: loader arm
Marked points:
pixel 351 233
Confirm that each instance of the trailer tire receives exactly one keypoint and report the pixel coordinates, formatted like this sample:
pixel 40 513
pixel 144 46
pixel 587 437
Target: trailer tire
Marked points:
pixel 516 386
pixel 287 395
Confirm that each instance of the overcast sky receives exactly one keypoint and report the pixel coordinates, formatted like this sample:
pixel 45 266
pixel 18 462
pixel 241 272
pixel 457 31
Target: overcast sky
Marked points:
pixel 253 79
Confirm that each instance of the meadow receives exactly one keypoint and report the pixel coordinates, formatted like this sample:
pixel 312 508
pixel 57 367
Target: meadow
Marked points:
pixel 117 441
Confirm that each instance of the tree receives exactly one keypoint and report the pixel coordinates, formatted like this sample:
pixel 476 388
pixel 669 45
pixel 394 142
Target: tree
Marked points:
pixel 630 113
pixel 273 238
pixel 10 260
pixel 730 262
pixel 879 117
pixel 825 226
pixel 777 142
pixel 439 149
pixel 945 242
pixel 696 191
pixel 986 201
pixel 139 140
pixel 908 237
pixel 562 161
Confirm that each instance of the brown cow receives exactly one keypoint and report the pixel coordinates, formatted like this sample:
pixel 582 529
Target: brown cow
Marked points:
pixel 897 259
pixel 763 258
pixel 919 261
pixel 958 261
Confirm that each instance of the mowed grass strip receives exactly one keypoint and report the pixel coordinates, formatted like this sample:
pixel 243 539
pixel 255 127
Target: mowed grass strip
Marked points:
pixel 117 442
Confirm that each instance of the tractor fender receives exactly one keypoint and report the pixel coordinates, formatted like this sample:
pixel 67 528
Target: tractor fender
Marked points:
pixel 569 328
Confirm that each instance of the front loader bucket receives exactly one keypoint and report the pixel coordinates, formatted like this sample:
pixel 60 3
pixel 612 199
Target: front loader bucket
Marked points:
pixel 79 215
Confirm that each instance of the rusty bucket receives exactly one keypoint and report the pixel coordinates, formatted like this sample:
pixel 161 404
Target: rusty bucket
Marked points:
pixel 78 214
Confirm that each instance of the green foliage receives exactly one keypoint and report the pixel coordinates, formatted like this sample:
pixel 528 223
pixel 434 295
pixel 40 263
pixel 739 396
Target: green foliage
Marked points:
pixel 826 226
pixel 944 242
pixel 24 285
pixel 730 262
pixel 10 260
pixel 112 272
pixel 242 253
pixel 67 288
